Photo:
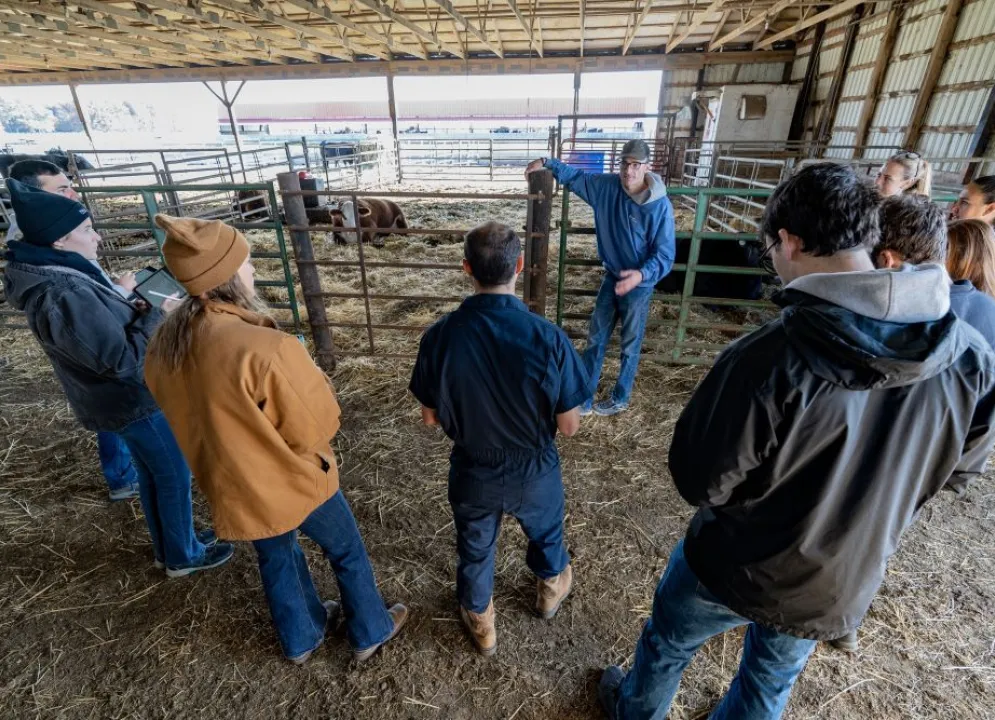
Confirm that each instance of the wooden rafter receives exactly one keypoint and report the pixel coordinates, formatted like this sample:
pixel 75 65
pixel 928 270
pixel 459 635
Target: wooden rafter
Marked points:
pixel 67 22
pixel 463 23
pixel 951 14
pixel 56 33
pixel 877 75
pixel 719 26
pixel 833 12
pixel 432 37
pixel 747 25
pixel 697 19
pixel 99 56
pixel 631 34
pixel 583 24
pixel 526 27
pixel 277 43
pixel 14 52
pixel 322 11
pixel 673 28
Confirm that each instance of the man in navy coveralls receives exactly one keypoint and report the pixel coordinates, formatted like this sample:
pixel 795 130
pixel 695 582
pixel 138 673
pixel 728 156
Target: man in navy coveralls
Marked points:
pixel 501 381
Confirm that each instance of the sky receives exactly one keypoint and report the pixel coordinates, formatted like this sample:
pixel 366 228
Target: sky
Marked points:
pixel 190 106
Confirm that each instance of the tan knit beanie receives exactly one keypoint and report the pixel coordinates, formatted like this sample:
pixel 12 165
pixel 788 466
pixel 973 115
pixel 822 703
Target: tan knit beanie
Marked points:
pixel 201 254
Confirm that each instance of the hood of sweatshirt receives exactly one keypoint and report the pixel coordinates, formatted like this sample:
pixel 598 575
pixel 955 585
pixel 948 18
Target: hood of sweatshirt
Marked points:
pixel 873 329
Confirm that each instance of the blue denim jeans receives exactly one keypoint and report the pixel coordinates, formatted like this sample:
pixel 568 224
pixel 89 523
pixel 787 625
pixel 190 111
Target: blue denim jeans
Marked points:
pixel 478 508
pixel 685 615
pixel 632 308
pixel 115 461
pixel 164 489
pixel 294 603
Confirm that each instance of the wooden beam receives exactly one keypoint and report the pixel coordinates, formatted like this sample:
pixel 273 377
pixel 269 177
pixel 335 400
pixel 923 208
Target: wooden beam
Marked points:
pixel 877 75
pixel 322 11
pixel 824 128
pixel 442 68
pixel 982 137
pixel 388 12
pixel 107 29
pixel 696 19
pixel 631 34
pixel 525 25
pixel 85 59
pixel 268 16
pixel 33 61
pixel 748 25
pixel 797 129
pixel 936 59
pixel 833 12
pixel 719 26
pixel 276 46
pixel 583 24
pixel 460 20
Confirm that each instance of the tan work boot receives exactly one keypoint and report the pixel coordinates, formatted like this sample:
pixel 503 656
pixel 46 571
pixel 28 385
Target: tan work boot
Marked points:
pixel 552 592
pixel 481 627
pixel 399 614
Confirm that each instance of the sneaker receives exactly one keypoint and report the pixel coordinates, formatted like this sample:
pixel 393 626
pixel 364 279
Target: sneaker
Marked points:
pixel 481 627
pixel 124 493
pixel 207 538
pixel 611 680
pixel 332 611
pixel 217 554
pixel 847 643
pixel 610 407
pixel 587 408
pixel 399 613
pixel 551 593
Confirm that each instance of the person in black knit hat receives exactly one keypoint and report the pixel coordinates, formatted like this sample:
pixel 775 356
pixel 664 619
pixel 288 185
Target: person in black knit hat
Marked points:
pixel 96 340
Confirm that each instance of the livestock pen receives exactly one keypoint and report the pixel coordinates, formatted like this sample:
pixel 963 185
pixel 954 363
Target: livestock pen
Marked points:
pixel 84 609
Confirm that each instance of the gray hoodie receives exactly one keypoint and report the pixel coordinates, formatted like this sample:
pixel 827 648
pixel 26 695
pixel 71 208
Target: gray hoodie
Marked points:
pixel 654 190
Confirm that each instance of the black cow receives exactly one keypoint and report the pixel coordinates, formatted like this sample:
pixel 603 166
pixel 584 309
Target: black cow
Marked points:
pixel 726 253
pixel 55 156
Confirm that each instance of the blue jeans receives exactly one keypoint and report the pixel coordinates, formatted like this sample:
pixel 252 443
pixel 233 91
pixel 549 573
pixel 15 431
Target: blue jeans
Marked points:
pixel 294 603
pixel 632 308
pixel 685 615
pixel 478 507
pixel 164 489
pixel 115 461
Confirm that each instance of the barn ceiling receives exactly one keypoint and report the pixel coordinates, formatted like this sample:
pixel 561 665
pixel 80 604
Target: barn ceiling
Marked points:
pixel 73 36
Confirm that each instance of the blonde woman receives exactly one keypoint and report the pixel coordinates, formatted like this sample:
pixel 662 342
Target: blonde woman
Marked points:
pixel 255 419
pixel 905 172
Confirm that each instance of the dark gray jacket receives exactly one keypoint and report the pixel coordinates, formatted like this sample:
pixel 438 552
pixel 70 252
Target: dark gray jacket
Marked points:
pixel 812 444
pixel 95 339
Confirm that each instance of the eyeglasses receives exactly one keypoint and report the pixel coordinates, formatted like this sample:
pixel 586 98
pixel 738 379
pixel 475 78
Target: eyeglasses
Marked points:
pixel 766 261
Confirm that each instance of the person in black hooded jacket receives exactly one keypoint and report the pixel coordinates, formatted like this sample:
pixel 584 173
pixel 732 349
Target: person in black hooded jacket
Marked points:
pixel 808 450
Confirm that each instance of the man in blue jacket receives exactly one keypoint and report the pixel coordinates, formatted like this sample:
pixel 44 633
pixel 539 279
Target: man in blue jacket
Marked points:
pixel 634 222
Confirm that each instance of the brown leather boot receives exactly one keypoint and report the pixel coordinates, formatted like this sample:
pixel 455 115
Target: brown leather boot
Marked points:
pixel 552 592
pixel 481 627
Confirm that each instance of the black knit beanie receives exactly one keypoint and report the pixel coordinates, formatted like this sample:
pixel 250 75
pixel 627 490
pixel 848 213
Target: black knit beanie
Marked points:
pixel 44 217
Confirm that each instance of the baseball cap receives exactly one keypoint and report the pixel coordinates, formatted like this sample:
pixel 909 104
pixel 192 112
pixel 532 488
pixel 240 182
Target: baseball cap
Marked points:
pixel 636 151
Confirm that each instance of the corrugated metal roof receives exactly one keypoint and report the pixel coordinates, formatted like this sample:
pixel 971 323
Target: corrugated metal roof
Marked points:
pixel 761 73
pixel 977 20
pixel 970 64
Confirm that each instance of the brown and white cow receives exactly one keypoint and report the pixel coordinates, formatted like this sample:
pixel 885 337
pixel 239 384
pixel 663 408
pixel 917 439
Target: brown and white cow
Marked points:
pixel 373 213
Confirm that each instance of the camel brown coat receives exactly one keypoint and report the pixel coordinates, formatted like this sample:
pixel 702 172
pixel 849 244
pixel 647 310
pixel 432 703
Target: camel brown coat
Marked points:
pixel 254 417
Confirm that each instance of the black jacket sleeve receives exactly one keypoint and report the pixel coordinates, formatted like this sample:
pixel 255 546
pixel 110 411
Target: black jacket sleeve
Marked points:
pixel 977 446
pixel 84 329
pixel 725 431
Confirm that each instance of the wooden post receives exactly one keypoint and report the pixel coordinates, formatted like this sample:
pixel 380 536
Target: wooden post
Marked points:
pixel 82 118
pixel 808 85
pixel 982 136
pixel 392 109
pixel 877 76
pixel 537 259
pixel 293 208
pixel 824 127
pixel 573 130
pixel 936 60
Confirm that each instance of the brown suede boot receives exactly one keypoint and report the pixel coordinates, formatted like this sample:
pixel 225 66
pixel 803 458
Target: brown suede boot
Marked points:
pixel 552 592
pixel 481 627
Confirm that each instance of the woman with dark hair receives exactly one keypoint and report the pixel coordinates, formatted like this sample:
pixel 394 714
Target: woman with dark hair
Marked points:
pixel 976 201
pixel 255 418
pixel 971 254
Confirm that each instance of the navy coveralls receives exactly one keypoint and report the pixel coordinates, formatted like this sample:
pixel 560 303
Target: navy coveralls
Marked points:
pixel 497 376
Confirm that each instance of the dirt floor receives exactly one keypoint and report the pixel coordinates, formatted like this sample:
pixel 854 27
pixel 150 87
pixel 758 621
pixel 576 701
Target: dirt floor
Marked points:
pixel 88 629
